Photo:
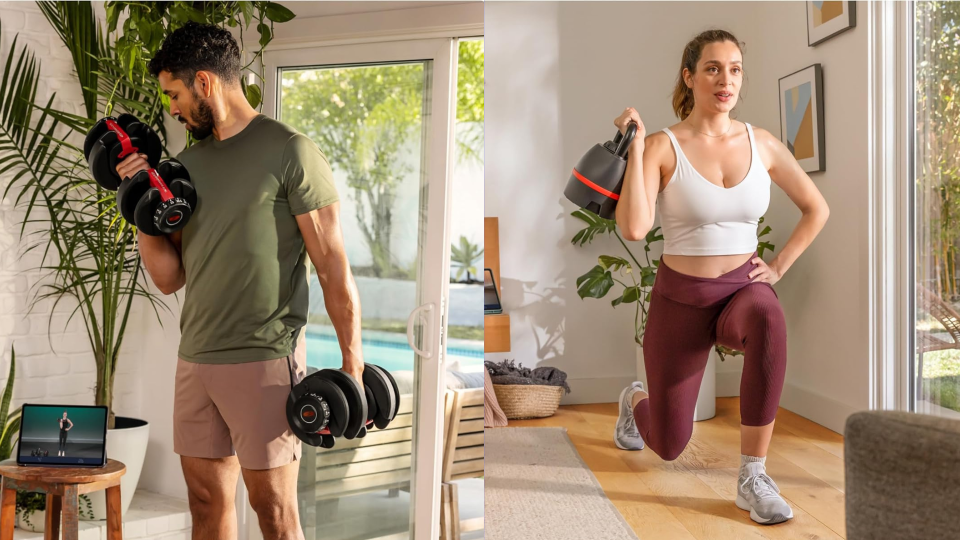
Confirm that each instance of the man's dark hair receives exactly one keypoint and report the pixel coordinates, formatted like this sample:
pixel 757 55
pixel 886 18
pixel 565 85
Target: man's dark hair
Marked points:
pixel 198 47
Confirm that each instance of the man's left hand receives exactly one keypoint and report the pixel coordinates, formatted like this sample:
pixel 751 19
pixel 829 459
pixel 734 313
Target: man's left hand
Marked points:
pixel 355 370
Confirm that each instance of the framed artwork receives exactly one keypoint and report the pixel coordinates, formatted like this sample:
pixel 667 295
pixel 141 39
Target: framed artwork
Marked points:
pixel 827 19
pixel 801 117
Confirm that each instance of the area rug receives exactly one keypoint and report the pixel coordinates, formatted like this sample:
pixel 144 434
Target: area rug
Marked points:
pixel 536 486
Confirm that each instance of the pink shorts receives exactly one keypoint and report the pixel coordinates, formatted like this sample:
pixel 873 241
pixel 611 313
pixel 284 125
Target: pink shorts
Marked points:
pixel 224 409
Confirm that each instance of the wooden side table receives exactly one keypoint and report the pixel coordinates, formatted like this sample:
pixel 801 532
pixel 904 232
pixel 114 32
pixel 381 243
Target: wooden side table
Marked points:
pixel 63 486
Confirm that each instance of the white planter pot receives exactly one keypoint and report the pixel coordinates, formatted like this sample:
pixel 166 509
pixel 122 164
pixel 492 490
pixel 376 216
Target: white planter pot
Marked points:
pixel 37 520
pixel 128 445
pixel 707 398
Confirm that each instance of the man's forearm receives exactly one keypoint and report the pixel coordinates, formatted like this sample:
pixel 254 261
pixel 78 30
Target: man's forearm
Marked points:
pixel 162 261
pixel 342 300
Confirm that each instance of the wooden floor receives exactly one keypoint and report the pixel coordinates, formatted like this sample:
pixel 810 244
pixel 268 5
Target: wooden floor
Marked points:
pixel 692 497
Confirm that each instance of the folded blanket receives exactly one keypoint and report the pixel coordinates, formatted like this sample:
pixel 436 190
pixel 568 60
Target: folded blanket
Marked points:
pixel 493 415
pixel 507 373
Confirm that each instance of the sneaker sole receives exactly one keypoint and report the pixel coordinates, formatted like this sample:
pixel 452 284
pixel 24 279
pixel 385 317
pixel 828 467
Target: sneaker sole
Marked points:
pixel 776 518
pixel 616 441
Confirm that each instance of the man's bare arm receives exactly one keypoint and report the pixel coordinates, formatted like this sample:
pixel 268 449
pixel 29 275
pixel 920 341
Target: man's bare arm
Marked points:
pixel 161 257
pixel 324 241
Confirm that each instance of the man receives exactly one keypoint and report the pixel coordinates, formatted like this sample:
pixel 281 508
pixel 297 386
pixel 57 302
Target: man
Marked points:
pixel 65 425
pixel 266 200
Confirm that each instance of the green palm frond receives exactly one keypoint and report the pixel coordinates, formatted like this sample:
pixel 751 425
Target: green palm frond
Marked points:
pixel 9 423
pixel 83 243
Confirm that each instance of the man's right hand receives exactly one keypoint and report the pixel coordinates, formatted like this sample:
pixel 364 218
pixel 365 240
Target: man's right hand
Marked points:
pixel 131 165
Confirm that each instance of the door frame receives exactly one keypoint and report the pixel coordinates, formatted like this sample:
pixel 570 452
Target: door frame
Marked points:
pixel 891 134
pixel 435 270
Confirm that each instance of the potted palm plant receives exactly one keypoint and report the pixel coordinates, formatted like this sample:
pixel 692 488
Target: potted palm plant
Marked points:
pixel 599 280
pixel 88 251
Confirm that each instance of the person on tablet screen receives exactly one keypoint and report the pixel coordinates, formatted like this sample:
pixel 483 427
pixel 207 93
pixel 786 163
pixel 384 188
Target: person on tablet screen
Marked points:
pixel 65 425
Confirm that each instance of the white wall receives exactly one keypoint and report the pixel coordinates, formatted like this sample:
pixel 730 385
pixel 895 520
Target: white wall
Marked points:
pixel 581 64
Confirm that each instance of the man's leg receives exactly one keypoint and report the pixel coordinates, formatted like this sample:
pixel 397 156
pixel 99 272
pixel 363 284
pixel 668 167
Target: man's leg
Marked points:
pixel 273 496
pixel 211 490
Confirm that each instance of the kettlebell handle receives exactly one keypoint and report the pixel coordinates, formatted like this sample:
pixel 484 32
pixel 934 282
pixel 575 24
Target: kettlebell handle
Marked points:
pixel 623 142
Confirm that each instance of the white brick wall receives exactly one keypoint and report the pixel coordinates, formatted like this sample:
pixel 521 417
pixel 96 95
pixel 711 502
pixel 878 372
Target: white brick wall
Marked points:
pixel 54 359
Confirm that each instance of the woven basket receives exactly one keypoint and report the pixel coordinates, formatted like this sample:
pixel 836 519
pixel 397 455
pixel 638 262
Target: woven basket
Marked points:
pixel 520 401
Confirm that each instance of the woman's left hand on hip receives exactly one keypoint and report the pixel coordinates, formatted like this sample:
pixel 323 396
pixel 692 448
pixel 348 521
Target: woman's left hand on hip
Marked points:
pixel 763 272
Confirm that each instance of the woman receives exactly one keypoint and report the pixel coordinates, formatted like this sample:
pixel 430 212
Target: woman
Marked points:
pixel 711 175
pixel 65 425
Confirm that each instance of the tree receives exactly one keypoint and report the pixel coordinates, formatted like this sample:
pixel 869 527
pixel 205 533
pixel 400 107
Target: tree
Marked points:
pixel 463 256
pixel 938 142
pixel 364 118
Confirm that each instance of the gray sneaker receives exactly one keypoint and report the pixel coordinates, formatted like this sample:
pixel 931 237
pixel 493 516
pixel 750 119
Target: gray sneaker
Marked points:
pixel 759 494
pixel 626 435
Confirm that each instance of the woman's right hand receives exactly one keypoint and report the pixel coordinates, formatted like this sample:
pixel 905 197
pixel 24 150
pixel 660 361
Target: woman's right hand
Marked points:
pixel 623 121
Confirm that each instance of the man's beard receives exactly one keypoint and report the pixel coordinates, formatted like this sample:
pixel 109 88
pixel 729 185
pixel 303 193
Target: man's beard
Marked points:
pixel 202 124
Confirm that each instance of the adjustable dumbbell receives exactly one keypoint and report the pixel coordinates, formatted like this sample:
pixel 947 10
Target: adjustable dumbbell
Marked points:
pixel 597 179
pixel 112 139
pixel 158 201
pixel 330 404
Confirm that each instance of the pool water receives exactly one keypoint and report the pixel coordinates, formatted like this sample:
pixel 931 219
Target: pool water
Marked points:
pixel 385 349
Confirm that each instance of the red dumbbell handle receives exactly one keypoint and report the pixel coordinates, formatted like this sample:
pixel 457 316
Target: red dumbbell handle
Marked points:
pixel 326 431
pixel 128 147
pixel 157 182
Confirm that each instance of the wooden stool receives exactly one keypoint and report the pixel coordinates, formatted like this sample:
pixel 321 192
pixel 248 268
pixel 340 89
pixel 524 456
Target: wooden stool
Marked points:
pixel 63 487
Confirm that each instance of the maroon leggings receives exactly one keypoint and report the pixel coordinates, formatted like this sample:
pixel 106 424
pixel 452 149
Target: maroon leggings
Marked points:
pixel 687 316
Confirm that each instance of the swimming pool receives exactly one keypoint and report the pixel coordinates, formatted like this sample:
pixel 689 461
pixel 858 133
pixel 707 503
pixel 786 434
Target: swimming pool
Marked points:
pixel 386 349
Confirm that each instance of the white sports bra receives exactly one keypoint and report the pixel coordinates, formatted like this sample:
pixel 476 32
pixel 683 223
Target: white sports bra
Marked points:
pixel 699 217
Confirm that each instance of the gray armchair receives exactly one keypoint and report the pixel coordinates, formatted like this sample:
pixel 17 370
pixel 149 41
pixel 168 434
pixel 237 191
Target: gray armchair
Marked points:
pixel 902 473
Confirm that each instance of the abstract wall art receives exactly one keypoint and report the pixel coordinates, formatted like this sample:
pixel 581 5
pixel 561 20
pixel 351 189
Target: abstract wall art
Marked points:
pixel 827 19
pixel 801 117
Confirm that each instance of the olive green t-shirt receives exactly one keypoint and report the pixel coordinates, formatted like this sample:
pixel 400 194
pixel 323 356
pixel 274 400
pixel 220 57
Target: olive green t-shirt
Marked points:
pixel 243 254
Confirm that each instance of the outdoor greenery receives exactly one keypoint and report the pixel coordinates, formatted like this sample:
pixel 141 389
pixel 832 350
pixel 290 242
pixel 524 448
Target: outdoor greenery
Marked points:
pixel 88 252
pixel 474 333
pixel 938 132
pixel 599 280
pixel 365 119
pixel 464 256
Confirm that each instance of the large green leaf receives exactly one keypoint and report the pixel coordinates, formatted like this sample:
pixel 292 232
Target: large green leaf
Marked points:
pixel 594 284
pixel 278 13
pixel 595 225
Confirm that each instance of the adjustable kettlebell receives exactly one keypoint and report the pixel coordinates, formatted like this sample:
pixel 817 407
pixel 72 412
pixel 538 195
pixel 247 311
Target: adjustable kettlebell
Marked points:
pixel 112 139
pixel 597 178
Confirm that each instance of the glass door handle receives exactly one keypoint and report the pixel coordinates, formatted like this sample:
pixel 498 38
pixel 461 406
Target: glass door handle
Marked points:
pixel 426 355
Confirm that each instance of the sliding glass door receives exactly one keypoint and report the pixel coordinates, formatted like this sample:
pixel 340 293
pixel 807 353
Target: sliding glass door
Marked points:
pixel 382 113
pixel 936 368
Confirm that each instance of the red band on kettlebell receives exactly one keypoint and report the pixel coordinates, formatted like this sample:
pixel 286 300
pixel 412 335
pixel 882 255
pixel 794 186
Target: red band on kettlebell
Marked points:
pixel 128 147
pixel 157 182
pixel 595 187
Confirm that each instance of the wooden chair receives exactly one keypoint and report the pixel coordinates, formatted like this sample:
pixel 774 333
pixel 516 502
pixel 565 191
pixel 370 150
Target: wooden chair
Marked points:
pixel 462 456
pixel 928 341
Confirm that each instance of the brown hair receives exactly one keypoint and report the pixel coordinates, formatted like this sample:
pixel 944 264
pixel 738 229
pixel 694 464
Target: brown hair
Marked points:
pixel 683 95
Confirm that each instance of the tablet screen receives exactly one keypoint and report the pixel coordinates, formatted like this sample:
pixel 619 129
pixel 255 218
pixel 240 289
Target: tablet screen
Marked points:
pixel 62 435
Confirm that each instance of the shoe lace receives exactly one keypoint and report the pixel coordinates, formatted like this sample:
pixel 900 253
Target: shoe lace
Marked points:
pixel 762 485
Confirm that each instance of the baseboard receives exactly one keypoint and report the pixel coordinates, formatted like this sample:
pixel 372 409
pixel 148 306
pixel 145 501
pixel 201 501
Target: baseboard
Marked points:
pixel 599 390
pixel 827 412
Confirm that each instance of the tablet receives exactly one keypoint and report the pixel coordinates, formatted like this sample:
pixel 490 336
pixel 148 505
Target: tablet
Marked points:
pixel 491 297
pixel 63 436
